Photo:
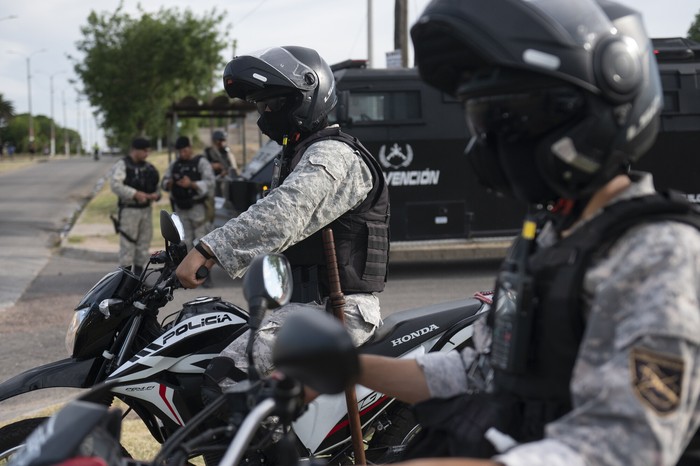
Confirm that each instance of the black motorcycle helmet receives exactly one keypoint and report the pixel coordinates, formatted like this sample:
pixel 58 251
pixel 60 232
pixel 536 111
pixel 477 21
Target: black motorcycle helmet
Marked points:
pixel 294 82
pixel 560 96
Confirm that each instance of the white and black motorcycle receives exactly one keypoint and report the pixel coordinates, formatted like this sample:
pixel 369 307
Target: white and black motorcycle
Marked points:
pixel 258 412
pixel 157 370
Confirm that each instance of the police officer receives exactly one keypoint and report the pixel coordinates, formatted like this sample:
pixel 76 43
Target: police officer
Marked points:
pixel 589 355
pixel 190 181
pixel 224 164
pixel 323 177
pixel 135 182
pixel 219 155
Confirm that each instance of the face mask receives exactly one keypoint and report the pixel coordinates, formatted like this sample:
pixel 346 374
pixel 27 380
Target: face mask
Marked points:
pixel 275 125
pixel 510 169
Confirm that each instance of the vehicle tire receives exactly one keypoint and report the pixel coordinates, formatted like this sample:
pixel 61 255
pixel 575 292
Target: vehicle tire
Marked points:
pixel 388 445
pixel 13 435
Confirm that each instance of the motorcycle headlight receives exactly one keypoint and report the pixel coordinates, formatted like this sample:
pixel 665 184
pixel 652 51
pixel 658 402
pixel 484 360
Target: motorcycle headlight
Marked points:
pixel 76 321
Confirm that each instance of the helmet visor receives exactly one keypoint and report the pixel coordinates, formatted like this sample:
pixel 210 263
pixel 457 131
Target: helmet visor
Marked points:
pixel 273 104
pixel 522 116
pixel 300 75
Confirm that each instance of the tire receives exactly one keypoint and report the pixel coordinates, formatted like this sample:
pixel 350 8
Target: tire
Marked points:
pixel 13 435
pixel 388 445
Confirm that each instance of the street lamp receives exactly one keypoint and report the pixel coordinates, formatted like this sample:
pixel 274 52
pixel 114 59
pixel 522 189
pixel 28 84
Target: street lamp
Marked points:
pixel 53 125
pixel 66 143
pixel 77 121
pixel 29 93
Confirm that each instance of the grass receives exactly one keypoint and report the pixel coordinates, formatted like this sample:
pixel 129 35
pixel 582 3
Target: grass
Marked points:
pixel 18 161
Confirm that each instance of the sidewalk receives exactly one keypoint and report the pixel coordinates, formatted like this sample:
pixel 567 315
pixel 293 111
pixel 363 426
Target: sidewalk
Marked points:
pixel 89 241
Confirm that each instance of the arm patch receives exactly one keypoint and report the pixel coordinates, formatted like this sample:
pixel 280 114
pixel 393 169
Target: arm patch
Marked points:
pixel 657 379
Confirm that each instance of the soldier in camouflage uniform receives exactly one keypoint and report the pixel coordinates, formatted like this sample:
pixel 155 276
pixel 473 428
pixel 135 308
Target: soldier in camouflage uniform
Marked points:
pixel 323 177
pixel 220 157
pixel 135 182
pixel 590 353
pixel 190 181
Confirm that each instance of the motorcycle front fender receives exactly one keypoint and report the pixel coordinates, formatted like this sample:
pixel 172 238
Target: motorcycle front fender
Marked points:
pixel 67 373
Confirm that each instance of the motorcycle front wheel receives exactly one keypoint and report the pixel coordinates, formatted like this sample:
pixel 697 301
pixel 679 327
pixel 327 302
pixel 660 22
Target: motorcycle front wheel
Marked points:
pixel 12 436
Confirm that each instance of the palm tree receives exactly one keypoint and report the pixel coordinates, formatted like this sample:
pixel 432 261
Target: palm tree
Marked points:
pixel 7 110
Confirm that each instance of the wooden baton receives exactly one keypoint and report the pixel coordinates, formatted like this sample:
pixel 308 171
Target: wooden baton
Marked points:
pixel 338 304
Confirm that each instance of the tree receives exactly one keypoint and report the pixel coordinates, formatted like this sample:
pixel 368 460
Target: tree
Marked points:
pixel 694 31
pixel 134 68
pixel 7 110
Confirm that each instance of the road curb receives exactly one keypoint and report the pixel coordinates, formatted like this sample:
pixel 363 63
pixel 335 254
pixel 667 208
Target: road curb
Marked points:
pixel 89 254
pixel 401 252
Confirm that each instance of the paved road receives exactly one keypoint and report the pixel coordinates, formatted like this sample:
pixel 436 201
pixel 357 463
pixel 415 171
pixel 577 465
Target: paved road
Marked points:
pixel 36 204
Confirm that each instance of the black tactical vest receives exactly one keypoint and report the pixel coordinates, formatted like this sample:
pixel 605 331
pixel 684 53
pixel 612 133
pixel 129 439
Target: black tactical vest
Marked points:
pixel 184 198
pixel 361 235
pixel 142 177
pixel 522 404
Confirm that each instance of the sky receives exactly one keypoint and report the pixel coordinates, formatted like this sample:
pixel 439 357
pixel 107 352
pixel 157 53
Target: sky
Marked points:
pixel 46 31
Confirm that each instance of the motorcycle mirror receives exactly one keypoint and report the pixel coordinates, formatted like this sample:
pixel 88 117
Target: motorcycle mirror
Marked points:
pixel 171 227
pixel 267 283
pixel 314 348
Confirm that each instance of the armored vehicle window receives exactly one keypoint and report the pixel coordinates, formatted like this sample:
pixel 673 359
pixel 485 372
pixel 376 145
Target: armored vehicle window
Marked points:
pixel 384 106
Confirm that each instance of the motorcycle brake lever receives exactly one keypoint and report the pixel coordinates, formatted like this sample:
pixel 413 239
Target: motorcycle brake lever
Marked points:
pixel 159 257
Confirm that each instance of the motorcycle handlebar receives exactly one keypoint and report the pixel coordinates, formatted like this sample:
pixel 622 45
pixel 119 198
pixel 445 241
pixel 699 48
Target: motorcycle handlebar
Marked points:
pixel 202 272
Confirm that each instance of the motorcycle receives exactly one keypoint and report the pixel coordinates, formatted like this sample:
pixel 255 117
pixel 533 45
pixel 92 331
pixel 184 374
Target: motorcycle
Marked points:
pixel 89 432
pixel 156 369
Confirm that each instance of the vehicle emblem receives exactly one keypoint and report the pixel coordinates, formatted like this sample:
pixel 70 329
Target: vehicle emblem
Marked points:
pixel 396 157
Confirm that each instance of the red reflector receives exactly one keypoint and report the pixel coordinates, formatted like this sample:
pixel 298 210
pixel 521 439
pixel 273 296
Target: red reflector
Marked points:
pixel 84 461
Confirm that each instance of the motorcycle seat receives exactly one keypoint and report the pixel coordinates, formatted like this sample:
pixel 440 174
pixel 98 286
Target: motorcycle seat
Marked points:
pixel 406 324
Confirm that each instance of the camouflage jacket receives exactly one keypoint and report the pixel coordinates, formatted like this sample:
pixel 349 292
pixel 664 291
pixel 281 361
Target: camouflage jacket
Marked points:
pixel 329 180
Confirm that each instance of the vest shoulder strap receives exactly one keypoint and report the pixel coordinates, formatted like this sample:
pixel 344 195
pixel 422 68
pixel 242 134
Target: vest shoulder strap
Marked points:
pixel 620 217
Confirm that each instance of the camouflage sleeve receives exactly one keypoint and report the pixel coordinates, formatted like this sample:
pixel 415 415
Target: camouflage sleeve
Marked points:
pixel 116 182
pixel 636 383
pixel 158 187
pixel 167 176
pixel 329 180
pixel 208 181
pixel 454 373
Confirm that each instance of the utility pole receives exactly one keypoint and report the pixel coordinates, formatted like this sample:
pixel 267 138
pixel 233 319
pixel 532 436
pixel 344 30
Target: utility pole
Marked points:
pixel 77 123
pixel 369 33
pixel 29 93
pixel 66 143
pixel 53 124
pixel 401 30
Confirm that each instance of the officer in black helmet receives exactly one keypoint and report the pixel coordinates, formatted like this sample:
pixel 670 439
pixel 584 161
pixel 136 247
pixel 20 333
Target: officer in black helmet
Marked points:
pixel 589 353
pixel 323 177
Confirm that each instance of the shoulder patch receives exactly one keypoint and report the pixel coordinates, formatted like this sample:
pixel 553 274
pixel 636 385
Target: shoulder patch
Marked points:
pixel 657 379
pixel 330 157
